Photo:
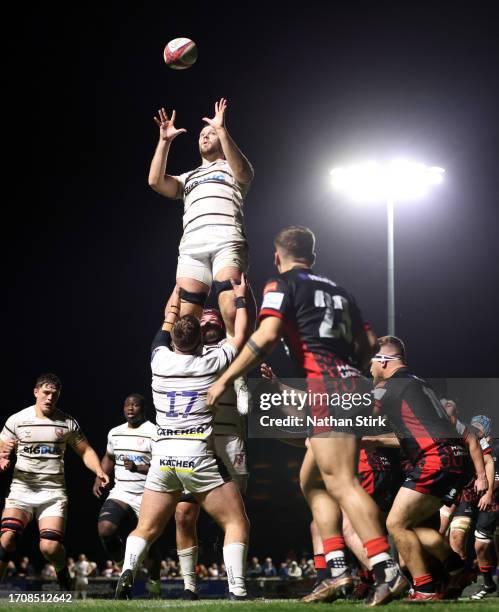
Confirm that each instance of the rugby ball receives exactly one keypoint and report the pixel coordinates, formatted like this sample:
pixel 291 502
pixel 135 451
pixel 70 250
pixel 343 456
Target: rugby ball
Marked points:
pixel 180 53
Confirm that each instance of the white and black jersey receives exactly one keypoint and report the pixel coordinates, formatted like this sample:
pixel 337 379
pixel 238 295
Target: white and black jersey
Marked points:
pixel 41 444
pixel 179 386
pixel 212 196
pixel 134 444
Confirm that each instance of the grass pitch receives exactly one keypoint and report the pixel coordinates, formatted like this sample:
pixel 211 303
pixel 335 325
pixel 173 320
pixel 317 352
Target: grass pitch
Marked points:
pixel 269 605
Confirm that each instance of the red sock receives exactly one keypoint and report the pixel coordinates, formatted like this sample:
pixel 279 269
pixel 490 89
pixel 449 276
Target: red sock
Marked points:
pixel 376 546
pixel 334 543
pixel 320 562
pixel 424 579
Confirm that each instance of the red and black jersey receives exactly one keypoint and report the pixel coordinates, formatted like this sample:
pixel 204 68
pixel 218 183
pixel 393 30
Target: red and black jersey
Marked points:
pixel 419 421
pixel 321 321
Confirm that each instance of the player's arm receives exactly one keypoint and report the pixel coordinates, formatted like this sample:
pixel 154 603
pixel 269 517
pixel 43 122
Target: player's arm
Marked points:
pixel 485 501
pixel 161 182
pixel 384 440
pixel 241 323
pixel 172 310
pixel 475 450
pixel 240 166
pixel 107 466
pixel 90 459
pixel 131 466
pixel 261 343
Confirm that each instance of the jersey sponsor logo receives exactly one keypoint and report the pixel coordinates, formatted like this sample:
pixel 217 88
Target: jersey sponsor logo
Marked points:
pixel 270 287
pixel 195 183
pixel 273 300
pixel 40 449
pixel 130 457
pixel 167 432
pixel 315 277
pixel 176 463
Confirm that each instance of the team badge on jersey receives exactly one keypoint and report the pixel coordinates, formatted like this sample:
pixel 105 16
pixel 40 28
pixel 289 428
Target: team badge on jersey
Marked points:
pixel 141 441
pixel 272 300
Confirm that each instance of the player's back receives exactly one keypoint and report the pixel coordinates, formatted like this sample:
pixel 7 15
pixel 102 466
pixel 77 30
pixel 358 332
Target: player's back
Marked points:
pixel 321 321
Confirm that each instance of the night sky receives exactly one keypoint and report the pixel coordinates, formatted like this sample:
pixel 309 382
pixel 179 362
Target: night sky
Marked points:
pixel 91 249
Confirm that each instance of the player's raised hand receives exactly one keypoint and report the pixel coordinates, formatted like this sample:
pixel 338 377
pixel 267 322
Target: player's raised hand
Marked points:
pixel 218 120
pixel 167 129
pixel 214 392
pixel 239 288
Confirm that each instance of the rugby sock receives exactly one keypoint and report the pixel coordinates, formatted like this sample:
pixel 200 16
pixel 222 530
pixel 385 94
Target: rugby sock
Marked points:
pixel 424 584
pixel 235 562
pixel 486 573
pixel 382 563
pixel 188 558
pixel 334 553
pixel 136 549
pixel 320 567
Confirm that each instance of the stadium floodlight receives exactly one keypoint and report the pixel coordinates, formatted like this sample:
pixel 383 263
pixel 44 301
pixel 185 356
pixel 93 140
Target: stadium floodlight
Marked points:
pixel 396 181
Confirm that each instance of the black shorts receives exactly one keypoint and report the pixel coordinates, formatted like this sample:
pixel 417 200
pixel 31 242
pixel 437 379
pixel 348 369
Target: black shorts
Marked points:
pixel 381 486
pixel 337 404
pixel 487 522
pixel 444 483
pixel 116 513
pixel 467 500
pixel 188 497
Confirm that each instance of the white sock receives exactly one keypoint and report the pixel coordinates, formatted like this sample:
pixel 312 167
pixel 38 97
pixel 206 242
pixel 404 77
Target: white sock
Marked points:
pixel 188 558
pixel 235 564
pixel 136 549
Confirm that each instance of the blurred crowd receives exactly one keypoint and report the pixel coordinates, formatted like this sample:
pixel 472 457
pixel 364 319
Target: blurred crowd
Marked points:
pixel 170 568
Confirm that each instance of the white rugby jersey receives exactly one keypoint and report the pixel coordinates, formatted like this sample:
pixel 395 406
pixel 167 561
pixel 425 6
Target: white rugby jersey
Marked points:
pixel 212 196
pixel 41 444
pixel 228 421
pixel 179 387
pixel 135 444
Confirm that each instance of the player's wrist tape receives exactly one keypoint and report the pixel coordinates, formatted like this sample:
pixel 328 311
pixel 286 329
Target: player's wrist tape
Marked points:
pixel 240 302
pixel 254 348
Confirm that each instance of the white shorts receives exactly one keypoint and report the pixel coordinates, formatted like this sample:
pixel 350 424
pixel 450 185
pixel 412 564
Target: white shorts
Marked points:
pixel 232 451
pixel 191 474
pixel 206 251
pixel 132 499
pixel 38 504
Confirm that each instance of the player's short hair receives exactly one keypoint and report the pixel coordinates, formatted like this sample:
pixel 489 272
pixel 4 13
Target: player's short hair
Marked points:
pixel 297 242
pixel 186 333
pixel 48 379
pixel 139 399
pixel 395 343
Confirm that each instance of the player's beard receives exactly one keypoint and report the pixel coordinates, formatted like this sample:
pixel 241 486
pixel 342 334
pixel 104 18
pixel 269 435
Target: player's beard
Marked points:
pixel 211 153
pixel 212 335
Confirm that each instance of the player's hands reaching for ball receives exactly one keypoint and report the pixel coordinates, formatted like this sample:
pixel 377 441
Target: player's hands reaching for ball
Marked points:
pixel 267 372
pixel 218 121
pixel 167 129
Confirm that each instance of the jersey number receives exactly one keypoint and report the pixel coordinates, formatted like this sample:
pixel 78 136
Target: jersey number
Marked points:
pixel 172 396
pixel 331 326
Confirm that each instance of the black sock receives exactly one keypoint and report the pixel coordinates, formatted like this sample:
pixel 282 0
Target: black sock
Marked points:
pixel 380 569
pixel 323 573
pixel 486 573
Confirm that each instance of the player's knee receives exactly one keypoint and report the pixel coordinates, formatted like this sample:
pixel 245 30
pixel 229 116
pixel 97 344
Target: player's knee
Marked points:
pixel 50 542
pixel 186 516
pixel 459 527
pixel 193 297
pixel 11 530
pixel 106 530
pixel 395 523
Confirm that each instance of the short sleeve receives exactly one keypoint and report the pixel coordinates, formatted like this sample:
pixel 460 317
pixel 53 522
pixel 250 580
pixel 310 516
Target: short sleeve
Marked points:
pixel 110 447
pixel 75 434
pixel 9 430
pixel 181 178
pixel 276 299
pixel 485 446
pixel 223 356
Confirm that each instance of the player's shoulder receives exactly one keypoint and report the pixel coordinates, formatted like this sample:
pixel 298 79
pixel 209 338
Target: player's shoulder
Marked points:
pixel 60 416
pixel 148 428
pixel 118 429
pixel 25 413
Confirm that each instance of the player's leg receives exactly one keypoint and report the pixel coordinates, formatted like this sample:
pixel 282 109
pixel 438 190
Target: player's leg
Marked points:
pixel 460 527
pixel 484 548
pixel 194 280
pixel 193 295
pixel 446 514
pixel 186 517
pixel 328 518
pixel 14 521
pixel 232 451
pixel 112 515
pixel 225 505
pixel 51 530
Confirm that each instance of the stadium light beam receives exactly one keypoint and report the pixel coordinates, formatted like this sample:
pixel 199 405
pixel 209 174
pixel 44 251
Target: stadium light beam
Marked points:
pixel 396 181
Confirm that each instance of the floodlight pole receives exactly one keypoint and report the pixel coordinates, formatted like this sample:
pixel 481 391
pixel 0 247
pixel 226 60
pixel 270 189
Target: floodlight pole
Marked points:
pixel 391 267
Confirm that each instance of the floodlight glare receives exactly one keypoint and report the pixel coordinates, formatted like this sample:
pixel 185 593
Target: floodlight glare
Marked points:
pixel 395 181
pixel 398 180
